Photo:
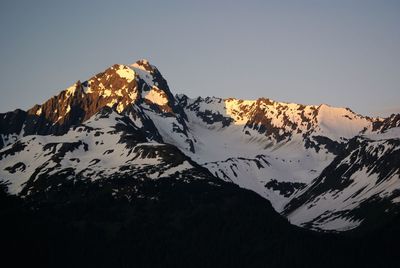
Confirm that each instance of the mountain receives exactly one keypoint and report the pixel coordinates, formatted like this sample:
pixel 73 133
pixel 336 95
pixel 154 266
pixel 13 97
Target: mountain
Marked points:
pixel 324 168
pixel 360 186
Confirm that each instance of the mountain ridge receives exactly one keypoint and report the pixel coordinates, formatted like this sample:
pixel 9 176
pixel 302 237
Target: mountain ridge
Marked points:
pixel 125 120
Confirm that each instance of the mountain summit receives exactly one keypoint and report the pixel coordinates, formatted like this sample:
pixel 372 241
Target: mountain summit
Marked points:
pixel 325 168
pixel 118 87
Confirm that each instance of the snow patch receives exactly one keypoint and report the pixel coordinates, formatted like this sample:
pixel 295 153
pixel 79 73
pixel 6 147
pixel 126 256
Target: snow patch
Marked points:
pixel 157 96
pixel 39 111
pixel 126 73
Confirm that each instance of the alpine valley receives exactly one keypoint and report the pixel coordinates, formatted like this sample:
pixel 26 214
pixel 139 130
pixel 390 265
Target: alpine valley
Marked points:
pixel 117 171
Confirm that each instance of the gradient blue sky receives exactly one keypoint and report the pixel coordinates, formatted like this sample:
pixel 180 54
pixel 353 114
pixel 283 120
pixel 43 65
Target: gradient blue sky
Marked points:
pixel 343 53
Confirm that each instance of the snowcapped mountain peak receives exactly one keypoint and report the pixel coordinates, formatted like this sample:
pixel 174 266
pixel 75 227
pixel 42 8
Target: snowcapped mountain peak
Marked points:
pixel 118 87
pixel 126 120
pixel 144 65
pixel 340 122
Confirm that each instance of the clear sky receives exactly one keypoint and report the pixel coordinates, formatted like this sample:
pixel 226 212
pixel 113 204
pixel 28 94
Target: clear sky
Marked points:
pixel 343 53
